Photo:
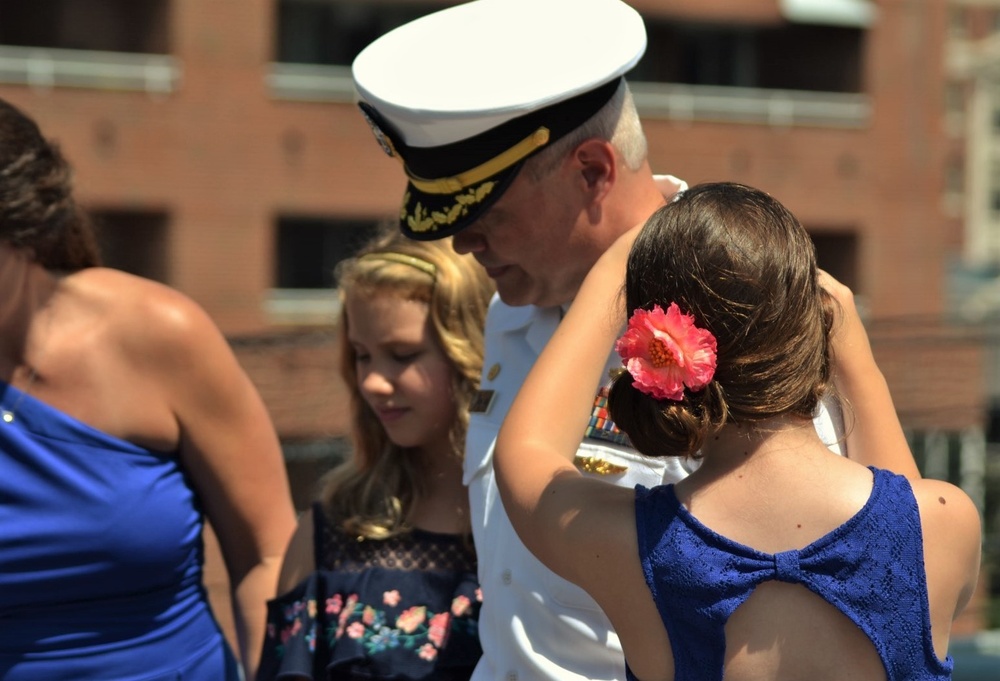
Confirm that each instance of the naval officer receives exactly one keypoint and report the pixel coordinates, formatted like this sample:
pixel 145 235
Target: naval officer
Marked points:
pixel 519 136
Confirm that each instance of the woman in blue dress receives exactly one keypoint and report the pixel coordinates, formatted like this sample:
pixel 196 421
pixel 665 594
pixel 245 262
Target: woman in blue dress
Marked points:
pixel 380 579
pixel 776 558
pixel 125 422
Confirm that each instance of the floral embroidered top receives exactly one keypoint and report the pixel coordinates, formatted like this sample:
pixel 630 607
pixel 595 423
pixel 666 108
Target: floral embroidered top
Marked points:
pixel 403 608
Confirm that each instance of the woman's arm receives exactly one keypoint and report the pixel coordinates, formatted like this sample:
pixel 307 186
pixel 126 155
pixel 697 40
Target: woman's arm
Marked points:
pixel 874 434
pixel 230 448
pixel 561 516
pixel 300 558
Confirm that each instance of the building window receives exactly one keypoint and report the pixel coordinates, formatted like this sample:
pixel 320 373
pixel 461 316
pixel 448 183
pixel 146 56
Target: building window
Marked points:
pixel 837 253
pixel 104 25
pixel 957 22
pixel 994 192
pixel 324 32
pixel 333 33
pixel 995 121
pixel 954 175
pixel 133 241
pixel 954 98
pixel 995 203
pixel 308 249
pixel 698 55
pixel 756 57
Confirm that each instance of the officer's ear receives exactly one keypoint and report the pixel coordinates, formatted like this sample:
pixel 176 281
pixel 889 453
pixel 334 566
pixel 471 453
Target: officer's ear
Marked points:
pixel 594 160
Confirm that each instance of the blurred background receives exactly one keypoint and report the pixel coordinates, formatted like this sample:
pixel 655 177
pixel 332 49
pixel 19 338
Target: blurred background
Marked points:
pixel 217 146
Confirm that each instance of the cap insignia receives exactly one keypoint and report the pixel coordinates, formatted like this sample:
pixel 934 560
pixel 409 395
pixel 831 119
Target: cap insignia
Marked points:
pixel 422 220
pixel 380 136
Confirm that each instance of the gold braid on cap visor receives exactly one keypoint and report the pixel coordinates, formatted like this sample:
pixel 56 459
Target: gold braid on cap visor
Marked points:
pixel 423 220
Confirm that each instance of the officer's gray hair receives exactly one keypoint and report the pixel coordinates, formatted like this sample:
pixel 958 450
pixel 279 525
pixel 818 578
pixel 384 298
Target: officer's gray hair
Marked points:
pixel 617 121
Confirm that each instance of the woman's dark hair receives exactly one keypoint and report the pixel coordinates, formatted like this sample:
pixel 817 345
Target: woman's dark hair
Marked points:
pixel 744 267
pixel 37 209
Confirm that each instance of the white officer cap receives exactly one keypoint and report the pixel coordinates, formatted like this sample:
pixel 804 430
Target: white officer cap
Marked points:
pixel 464 95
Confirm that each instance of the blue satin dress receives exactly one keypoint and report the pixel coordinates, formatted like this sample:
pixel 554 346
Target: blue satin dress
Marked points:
pixel 100 557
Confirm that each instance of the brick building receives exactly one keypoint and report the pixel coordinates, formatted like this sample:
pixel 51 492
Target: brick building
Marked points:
pixel 217 144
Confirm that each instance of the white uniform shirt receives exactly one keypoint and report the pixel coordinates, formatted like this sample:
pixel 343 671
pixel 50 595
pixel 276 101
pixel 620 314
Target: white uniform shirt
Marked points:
pixel 533 624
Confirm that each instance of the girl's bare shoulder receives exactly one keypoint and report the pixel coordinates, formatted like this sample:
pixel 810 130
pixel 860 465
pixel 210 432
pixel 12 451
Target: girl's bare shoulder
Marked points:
pixel 950 521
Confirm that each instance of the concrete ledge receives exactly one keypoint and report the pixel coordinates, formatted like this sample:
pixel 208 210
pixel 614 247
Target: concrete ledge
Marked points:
pixel 43 68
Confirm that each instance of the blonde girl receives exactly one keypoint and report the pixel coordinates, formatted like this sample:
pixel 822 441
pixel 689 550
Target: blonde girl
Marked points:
pixel 381 574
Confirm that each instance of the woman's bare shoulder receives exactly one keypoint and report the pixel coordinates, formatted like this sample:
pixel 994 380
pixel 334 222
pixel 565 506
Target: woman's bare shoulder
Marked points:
pixel 141 314
pixel 149 300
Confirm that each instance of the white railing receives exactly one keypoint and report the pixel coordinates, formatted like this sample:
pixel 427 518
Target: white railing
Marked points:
pixel 155 73
pixel 314 82
pixel 751 105
pixel 302 306
pixel 43 67
pixel 310 82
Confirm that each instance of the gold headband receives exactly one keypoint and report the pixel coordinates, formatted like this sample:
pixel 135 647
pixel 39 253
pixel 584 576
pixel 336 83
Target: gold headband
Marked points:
pixel 412 261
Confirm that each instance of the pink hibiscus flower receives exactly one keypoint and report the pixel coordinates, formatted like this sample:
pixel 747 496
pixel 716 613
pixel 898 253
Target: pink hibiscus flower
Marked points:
pixel 665 352
pixel 356 630
pixel 427 652
pixel 334 604
pixel 391 598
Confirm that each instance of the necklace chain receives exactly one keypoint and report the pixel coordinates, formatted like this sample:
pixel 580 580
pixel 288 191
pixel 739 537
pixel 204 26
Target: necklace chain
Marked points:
pixel 8 415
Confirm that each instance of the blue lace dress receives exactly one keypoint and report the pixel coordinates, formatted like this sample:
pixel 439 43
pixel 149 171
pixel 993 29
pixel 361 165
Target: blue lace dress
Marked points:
pixel 403 608
pixel 871 568
pixel 100 557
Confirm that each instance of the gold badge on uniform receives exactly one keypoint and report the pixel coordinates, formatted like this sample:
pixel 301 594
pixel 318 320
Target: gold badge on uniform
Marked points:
pixel 597 465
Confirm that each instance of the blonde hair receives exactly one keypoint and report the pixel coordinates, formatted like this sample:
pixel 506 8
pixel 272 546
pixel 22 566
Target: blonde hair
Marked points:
pixel 372 494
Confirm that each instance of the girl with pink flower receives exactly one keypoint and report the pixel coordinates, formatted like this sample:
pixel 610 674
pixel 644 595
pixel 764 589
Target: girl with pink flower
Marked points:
pixel 387 548
pixel 776 558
